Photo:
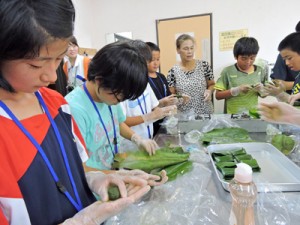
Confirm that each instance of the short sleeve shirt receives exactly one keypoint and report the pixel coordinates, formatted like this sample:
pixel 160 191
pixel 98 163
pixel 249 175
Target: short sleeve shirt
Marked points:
pixel 194 84
pixel 100 150
pixel 232 77
pixel 142 105
pixel 28 193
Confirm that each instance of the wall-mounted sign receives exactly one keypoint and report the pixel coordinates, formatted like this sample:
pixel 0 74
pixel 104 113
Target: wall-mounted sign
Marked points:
pixel 228 38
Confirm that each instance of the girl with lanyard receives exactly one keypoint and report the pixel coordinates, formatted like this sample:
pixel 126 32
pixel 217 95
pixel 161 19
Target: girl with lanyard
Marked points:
pixel 159 84
pixel 144 111
pixel 113 76
pixel 75 66
pixel 42 178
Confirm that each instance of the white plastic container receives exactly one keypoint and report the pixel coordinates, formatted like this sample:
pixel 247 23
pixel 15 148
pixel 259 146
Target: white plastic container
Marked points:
pixel 243 192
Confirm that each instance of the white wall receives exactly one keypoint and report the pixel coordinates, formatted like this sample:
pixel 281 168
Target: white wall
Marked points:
pixel 266 20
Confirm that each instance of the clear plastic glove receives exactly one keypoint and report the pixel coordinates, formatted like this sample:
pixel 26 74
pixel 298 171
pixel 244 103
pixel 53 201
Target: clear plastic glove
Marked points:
pixel 235 91
pixel 148 145
pixel 184 99
pixel 293 98
pixel 152 180
pixel 283 97
pixel 207 95
pixel 99 211
pixel 260 89
pixel 273 89
pixel 99 183
pixel 257 87
pixel 169 100
pixel 278 112
pixel 159 113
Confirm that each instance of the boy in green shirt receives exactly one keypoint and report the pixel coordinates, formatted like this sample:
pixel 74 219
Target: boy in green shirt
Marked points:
pixel 240 84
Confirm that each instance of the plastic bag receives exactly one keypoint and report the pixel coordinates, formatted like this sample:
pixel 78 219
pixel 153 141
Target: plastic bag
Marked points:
pixel 271 131
pixel 171 124
pixel 193 136
pixel 219 121
pixel 182 201
pixel 187 116
pixel 268 204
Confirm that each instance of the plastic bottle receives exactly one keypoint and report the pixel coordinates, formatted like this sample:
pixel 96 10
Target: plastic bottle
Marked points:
pixel 243 192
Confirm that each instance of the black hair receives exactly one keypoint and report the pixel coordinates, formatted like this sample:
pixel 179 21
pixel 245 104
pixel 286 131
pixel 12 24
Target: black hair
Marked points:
pixel 73 40
pixel 297 28
pixel 245 46
pixel 120 68
pixel 142 48
pixel 153 47
pixel 292 42
pixel 27 25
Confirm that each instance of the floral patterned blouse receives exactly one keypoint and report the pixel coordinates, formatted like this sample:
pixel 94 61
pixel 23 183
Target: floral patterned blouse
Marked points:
pixel 192 83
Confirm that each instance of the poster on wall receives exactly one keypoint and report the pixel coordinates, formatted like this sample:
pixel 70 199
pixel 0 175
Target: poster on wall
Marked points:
pixel 227 39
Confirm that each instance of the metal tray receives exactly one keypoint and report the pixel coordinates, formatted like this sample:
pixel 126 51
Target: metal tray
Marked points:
pixel 278 173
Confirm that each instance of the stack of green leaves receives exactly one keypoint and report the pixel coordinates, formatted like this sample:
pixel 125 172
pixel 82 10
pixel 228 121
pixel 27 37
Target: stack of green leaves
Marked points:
pixel 172 159
pixel 226 161
pixel 226 136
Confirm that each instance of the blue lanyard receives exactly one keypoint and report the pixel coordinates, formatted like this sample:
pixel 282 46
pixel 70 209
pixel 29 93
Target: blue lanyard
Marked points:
pixel 77 204
pixel 148 128
pixel 165 89
pixel 115 142
pixel 80 78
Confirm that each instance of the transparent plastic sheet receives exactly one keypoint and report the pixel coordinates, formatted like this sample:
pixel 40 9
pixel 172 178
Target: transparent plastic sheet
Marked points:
pixel 294 132
pixel 182 201
pixel 194 136
pixel 199 156
pixel 295 155
pixel 275 207
pixel 271 130
pixel 219 121
pixel 272 209
pixel 186 116
pixel 171 124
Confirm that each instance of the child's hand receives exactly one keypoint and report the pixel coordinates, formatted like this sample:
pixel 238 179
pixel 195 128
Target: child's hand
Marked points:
pixel 275 90
pixel 244 88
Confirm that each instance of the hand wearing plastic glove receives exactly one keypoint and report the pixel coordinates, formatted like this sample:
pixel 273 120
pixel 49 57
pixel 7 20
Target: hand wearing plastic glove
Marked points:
pixel 98 212
pixel 293 98
pixel 153 180
pixel 169 100
pixel 145 144
pixel 184 99
pixel 275 90
pixel 283 97
pixel 260 89
pixel 100 182
pixel 279 112
pixel 159 113
pixel 244 88
pixel 207 95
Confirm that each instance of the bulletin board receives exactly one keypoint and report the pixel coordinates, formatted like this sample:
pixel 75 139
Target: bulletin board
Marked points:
pixel 167 30
pixel 227 39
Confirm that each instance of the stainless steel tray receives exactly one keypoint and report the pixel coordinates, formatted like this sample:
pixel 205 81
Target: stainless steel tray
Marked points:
pixel 278 173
